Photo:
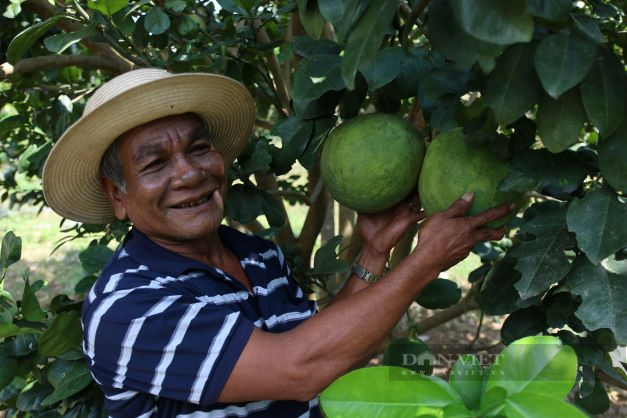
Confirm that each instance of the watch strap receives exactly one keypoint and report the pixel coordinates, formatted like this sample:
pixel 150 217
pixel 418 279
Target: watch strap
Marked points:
pixel 361 272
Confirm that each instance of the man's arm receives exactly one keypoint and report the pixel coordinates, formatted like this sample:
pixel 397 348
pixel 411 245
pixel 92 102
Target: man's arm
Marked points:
pixel 300 363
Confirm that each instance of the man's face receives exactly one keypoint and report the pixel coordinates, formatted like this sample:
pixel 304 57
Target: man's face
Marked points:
pixel 175 180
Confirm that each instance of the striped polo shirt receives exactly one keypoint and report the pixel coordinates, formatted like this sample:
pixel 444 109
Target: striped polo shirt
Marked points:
pixel 162 332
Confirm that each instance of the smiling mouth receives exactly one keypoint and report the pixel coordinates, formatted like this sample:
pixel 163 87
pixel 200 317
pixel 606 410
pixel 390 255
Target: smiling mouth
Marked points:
pixel 194 204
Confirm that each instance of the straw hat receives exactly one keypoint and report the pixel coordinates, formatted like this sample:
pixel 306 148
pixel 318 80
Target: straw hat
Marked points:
pixel 71 178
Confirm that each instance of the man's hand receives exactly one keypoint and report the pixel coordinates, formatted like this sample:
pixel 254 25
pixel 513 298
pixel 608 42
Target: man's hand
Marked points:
pixel 380 232
pixel 449 236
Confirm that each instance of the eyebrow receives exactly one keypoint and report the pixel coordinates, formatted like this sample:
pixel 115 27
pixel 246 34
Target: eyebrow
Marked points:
pixel 148 150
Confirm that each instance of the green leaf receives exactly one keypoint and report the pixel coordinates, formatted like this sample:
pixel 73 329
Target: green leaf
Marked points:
pixel 11 250
pixel 535 365
pixel 466 378
pixel 60 42
pixel 25 39
pixel 306 47
pixel 310 17
pixel 542 261
pixel 342 14
pixel 8 366
pixel 560 121
pixel 450 39
pixel 598 220
pixel 257 159
pixel 10 330
pixel 497 295
pixel 64 334
pixel 536 169
pixel 107 7
pixel 523 323
pixel 597 402
pixel 589 26
pixel 439 294
pixel 233 7
pixel 243 203
pixel 321 128
pixel 31 397
pixel 558 309
pixel 68 378
pixel 364 41
pixel 612 161
pixel 604 297
pixel 157 21
pixel 175 5
pixel 295 134
pixel 513 87
pixel 603 92
pixel 563 60
pixel 8 307
pixel 315 76
pixel 553 11
pixel 492 400
pixel 537 405
pixel 95 257
pixel 495 21
pixel 384 68
pixel 385 392
pixel 273 210
pixel 326 261
pixel 31 311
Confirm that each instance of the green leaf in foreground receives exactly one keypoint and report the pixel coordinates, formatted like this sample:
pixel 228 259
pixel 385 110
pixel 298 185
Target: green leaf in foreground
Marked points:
pixel 603 92
pixel 513 86
pixel 157 21
pixel 25 39
pixel 31 311
pixel 535 365
pixel 365 39
pixel 598 220
pixel 94 258
pixel 107 7
pixel 439 294
pixel 604 297
pixel 11 250
pixel 315 76
pixel 60 42
pixel 68 378
pixel 466 378
pixel 386 392
pixel 64 334
pixel 537 405
pixel 311 18
pixel 496 21
pixel 326 261
pixel 612 161
pixel 563 60
pixel 560 121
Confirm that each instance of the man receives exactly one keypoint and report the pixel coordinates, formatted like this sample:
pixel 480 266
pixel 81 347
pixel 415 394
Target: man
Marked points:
pixel 195 319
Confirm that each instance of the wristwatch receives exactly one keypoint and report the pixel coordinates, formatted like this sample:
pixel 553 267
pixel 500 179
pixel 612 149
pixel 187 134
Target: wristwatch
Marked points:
pixel 363 274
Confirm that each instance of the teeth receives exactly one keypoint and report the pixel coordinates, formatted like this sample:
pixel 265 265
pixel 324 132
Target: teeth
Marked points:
pixel 189 205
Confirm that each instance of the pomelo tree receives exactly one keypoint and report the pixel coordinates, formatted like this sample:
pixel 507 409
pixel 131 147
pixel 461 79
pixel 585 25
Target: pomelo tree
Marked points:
pixel 540 83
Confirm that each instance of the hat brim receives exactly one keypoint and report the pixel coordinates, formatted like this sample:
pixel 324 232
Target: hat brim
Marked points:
pixel 71 177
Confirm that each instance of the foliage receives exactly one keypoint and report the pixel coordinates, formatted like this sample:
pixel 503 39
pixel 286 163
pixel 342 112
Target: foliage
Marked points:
pixel 530 378
pixel 540 82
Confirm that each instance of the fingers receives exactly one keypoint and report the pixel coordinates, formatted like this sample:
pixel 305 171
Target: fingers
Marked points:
pixel 488 234
pixel 491 215
pixel 461 205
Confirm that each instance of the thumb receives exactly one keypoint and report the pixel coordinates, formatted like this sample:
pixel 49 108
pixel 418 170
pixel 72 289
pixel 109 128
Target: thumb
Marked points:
pixel 461 205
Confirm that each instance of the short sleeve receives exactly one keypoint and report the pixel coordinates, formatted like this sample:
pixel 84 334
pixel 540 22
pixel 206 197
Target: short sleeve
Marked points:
pixel 155 341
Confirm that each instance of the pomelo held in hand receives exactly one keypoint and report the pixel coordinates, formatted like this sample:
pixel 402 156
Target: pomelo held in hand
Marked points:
pixel 454 165
pixel 371 162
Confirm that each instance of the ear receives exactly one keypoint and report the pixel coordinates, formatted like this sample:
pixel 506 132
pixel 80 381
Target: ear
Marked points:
pixel 115 196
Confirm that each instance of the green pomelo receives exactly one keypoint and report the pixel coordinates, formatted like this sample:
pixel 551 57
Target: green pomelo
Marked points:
pixel 371 162
pixel 411 353
pixel 455 165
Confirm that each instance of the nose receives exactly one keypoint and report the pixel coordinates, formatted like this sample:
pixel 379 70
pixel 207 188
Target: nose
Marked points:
pixel 186 173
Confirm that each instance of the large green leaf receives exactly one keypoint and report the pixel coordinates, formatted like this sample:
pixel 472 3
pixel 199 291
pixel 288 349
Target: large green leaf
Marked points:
pixel 310 17
pixel 604 297
pixel 95 257
pixel 439 294
pixel 31 311
pixel 535 365
pixel 68 378
pixel 563 60
pixel 10 251
pixel 64 334
pixel 33 394
pixel 295 134
pixel 25 39
pixel 60 42
pixel 560 121
pixel 513 87
pixel 496 21
pixel 342 14
pixel 554 10
pixel 157 21
pixel 537 405
pixel 597 401
pixel 10 330
pixel 315 76
pixel 449 38
pixel 536 169
pixel 8 365
pixel 603 92
pixel 384 68
pixel 364 41
pixel 326 261
pixel 497 295
pixel 107 7
pixel 541 260
pixel 243 203
pixel 598 220
pixel 466 378
pixel 386 392
pixel 523 323
pixel 612 161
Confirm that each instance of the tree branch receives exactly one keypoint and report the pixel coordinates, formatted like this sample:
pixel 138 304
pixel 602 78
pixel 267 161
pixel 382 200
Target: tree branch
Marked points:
pixel 94 62
pixel 280 86
pixel 414 18
pixel 315 216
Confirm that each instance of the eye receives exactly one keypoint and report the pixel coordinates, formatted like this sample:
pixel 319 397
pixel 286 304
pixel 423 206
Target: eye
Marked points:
pixel 201 147
pixel 156 163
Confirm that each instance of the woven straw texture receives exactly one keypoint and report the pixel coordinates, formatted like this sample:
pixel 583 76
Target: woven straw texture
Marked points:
pixel 71 180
